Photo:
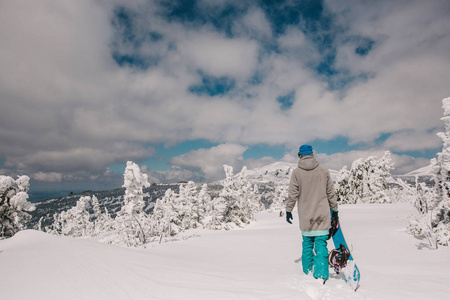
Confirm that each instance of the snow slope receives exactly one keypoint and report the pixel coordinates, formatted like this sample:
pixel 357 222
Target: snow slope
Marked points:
pixel 425 171
pixel 261 261
pixel 277 172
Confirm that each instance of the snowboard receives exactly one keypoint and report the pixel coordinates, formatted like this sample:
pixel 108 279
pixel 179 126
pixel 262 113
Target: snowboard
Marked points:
pixel 351 271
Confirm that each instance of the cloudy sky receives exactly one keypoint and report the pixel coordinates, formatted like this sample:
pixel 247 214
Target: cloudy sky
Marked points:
pixel 183 87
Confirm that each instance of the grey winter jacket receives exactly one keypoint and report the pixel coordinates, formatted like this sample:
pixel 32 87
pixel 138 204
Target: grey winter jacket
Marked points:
pixel 312 189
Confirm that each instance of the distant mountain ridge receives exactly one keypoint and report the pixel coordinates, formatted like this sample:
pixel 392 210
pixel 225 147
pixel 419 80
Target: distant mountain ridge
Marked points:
pixel 112 200
pixel 424 171
pixel 266 177
pixel 277 172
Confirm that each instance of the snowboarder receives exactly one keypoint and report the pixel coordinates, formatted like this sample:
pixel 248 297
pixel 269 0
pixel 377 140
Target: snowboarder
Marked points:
pixel 312 189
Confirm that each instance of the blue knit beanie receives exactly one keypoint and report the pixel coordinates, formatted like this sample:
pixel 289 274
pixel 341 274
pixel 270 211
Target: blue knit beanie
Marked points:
pixel 305 150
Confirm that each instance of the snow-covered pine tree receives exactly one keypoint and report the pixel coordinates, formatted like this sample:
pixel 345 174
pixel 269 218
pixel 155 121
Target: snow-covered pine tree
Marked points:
pixel 103 223
pixel 74 222
pixel 279 197
pixel 165 217
pixel 96 207
pixel 159 216
pixel 186 207
pixel 421 225
pixel 14 204
pixel 342 186
pixel 440 205
pixel 225 208
pixel 237 202
pixel 195 206
pixel 366 181
pixel 233 214
pixel 248 193
pixel 218 211
pixel 132 223
pixel 204 203
pixel 134 183
pixel 179 206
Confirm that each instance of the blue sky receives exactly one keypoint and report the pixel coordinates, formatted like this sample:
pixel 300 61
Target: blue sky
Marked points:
pixel 183 87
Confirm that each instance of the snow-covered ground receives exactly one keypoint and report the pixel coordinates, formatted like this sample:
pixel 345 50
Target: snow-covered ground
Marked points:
pixel 261 261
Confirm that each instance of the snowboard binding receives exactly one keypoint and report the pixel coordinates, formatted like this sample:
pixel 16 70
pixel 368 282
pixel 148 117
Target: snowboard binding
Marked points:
pixel 338 258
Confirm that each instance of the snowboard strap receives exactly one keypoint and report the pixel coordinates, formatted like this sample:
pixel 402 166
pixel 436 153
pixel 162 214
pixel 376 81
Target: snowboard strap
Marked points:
pixel 338 258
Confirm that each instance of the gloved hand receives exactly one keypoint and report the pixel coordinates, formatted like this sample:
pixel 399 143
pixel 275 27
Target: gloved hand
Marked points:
pixel 334 224
pixel 334 215
pixel 289 217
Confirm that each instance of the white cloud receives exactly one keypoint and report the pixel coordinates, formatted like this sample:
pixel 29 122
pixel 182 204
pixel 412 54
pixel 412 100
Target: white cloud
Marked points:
pixel 210 161
pixel 412 141
pixel 252 163
pixel 290 158
pixel 173 174
pixel 48 177
pixel 407 67
pixel 79 159
pixel 67 106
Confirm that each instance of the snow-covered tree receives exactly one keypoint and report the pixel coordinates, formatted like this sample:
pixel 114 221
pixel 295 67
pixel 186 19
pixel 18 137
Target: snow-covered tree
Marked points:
pixel 216 219
pixel 134 183
pixel 185 205
pixel 165 216
pixel 440 205
pixel 74 222
pixel 103 222
pixel 234 212
pixel 78 220
pixel 279 197
pixel 14 204
pixel 237 201
pixel 132 223
pixel 248 192
pixel 194 210
pixel 175 213
pixel 421 225
pixel 204 200
pixel 366 181
pixel 342 187
pixel 96 207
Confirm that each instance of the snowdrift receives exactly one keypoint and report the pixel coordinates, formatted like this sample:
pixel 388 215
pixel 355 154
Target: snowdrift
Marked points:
pixel 261 261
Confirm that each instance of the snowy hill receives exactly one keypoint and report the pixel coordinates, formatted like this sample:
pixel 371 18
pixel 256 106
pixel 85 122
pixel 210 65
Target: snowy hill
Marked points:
pixel 261 261
pixel 425 171
pixel 424 174
pixel 277 172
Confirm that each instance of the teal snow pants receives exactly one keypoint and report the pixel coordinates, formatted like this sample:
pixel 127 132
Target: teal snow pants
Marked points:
pixel 315 256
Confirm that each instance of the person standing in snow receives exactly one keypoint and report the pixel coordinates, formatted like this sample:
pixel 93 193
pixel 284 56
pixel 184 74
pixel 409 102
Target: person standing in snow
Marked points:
pixel 312 189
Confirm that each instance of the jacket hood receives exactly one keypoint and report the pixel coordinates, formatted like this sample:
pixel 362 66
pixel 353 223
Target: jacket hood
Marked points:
pixel 308 162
